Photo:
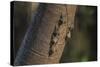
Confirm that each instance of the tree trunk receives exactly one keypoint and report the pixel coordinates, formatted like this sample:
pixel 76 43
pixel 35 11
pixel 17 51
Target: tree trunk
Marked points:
pixel 45 38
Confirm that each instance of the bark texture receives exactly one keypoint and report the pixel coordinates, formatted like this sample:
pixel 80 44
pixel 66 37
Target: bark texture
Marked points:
pixel 45 38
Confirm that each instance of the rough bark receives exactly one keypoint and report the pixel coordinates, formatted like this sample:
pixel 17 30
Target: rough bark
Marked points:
pixel 45 39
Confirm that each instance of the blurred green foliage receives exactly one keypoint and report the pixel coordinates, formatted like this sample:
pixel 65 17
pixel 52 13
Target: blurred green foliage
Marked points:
pixel 83 44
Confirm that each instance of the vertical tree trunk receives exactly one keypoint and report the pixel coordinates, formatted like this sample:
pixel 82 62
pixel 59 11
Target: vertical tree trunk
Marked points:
pixel 45 39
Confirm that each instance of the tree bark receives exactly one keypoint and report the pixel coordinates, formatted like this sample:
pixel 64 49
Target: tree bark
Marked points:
pixel 45 38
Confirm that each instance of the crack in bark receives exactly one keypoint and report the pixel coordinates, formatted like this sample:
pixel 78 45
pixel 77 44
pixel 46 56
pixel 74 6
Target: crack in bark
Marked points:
pixel 55 36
